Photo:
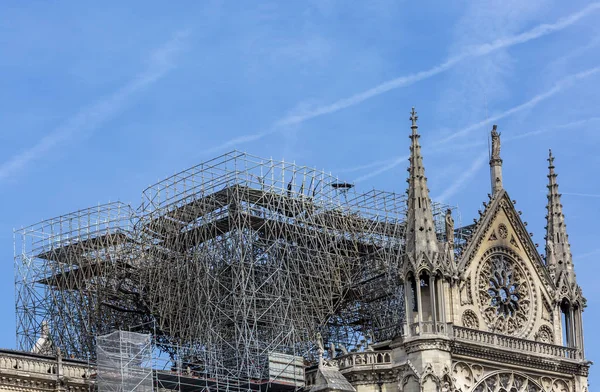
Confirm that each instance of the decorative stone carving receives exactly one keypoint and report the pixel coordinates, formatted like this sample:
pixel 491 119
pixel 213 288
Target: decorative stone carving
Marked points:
pixel 503 204
pixel 495 144
pixel 505 295
pixel 502 231
pixel 449 226
pixel 470 319
pixel 546 311
pixel 507 381
pixel 545 335
pixel 560 386
pixel 513 242
pixel 463 376
pixel 465 292
pixel 555 384
pixel 493 236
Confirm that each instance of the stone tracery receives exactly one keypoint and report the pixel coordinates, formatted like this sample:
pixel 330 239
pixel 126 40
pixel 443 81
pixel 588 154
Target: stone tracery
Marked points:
pixel 545 334
pixel 507 382
pixel 470 319
pixel 504 295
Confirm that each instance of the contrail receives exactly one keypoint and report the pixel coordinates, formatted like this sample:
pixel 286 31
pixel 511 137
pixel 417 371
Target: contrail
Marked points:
pixel 580 194
pixel 587 254
pixel 365 166
pixel 387 167
pixel 562 84
pixel 91 117
pixel 558 87
pixel 475 51
pixel 402 81
pixel 241 139
pixel 465 176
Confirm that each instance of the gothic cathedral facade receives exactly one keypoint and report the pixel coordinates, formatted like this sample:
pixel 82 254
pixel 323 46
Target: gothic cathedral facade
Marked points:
pixel 496 317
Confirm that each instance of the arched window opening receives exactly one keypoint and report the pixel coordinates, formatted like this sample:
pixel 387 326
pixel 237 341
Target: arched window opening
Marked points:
pixel 439 298
pixel 410 299
pixel 424 286
pixel 568 324
pixel 412 288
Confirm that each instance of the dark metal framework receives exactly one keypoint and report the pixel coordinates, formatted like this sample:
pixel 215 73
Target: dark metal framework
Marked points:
pixel 234 259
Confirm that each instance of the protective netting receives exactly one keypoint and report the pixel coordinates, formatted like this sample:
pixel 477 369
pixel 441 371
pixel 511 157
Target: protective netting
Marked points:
pixel 124 362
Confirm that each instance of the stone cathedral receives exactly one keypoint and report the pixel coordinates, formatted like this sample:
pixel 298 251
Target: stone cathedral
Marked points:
pixel 499 317
pixel 495 317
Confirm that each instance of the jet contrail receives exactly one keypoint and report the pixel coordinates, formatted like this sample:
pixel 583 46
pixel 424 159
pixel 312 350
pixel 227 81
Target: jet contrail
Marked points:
pixel 91 117
pixel 365 166
pixel 402 81
pixel 559 86
pixel 387 167
pixel 475 51
pixel 464 177
pixel 580 194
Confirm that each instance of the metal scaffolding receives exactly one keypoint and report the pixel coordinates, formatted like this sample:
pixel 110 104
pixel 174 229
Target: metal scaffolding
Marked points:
pixel 230 265
pixel 124 362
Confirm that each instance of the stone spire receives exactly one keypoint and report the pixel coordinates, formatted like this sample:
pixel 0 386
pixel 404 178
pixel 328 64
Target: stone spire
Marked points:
pixel 420 232
pixel 558 250
pixel 495 162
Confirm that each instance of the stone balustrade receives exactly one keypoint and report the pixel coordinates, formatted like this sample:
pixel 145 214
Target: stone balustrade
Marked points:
pixel 42 367
pixel 516 344
pixel 363 358
pixel 429 327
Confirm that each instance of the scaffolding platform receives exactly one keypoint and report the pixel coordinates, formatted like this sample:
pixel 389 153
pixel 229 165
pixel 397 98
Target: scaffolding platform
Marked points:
pixel 213 262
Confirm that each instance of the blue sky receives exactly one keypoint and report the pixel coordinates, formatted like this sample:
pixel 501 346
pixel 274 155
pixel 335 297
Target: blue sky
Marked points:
pixel 100 100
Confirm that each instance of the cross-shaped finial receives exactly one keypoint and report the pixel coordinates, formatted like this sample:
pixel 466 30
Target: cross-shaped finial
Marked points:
pixel 413 117
pixel 550 158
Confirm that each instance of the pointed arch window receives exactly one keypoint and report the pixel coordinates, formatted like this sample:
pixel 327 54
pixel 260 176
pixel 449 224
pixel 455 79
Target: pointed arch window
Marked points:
pixel 569 324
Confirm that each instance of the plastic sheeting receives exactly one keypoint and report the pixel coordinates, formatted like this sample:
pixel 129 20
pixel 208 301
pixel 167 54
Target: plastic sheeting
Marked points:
pixel 124 362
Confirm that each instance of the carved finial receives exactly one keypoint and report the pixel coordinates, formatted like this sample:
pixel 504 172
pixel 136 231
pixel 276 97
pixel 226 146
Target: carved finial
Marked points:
pixel 496 161
pixel 495 143
pixel 320 348
pixel 449 226
pixel 44 344
pixel 413 118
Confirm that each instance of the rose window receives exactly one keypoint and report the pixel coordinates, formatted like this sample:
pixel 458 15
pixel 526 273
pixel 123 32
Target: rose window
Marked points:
pixel 504 295
pixel 504 292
